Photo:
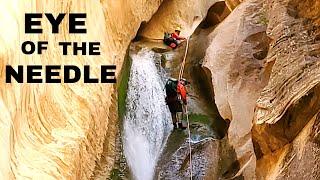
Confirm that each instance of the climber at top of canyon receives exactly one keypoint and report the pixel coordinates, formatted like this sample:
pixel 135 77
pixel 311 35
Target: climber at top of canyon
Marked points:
pixel 174 39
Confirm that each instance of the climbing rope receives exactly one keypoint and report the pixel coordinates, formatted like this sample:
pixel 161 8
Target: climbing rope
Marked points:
pixel 186 109
pixel 184 60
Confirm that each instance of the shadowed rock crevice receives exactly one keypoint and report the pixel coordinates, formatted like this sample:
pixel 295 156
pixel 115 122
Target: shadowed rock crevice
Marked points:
pixel 260 44
pixel 138 37
pixel 216 14
pixel 201 77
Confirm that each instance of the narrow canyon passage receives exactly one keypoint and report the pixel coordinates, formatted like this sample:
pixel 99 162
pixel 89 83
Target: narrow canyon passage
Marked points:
pixel 152 150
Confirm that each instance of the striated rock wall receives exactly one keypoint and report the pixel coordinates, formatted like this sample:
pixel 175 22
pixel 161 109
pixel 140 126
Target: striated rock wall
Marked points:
pixel 264 61
pixel 294 51
pixel 57 131
pixel 285 117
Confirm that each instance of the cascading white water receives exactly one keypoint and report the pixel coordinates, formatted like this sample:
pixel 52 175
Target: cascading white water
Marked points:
pixel 147 122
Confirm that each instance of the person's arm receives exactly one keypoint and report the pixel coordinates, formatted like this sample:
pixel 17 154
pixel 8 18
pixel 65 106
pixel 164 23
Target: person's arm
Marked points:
pixel 177 37
pixel 180 38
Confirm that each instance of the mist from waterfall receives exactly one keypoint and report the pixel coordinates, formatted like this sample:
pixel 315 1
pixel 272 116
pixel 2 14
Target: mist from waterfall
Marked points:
pixel 147 122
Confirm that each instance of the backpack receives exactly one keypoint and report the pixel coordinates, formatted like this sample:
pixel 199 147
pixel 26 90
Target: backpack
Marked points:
pixel 167 39
pixel 166 35
pixel 171 87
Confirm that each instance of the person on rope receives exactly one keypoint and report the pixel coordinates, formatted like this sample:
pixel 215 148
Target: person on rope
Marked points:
pixel 174 39
pixel 176 100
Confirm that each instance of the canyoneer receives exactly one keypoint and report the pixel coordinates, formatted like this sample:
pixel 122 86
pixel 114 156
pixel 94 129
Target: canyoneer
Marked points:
pixel 174 39
pixel 176 100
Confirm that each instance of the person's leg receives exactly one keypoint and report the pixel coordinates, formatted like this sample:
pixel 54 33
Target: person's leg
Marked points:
pixel 173 45
pixel 183 110
pixel 175 42
pixel 180 115
pixel 173 112
pixel 181 118
pixel 174 119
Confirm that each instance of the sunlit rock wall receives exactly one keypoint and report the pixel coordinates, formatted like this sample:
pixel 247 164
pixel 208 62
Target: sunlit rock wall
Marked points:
pixel 286 126
pixel 57 131
pixel 264 61
pixel 232 4
pixel 235 59
pixel 186 14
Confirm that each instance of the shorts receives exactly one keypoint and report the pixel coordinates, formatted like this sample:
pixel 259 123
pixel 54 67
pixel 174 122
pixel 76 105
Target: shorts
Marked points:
pixel 174 104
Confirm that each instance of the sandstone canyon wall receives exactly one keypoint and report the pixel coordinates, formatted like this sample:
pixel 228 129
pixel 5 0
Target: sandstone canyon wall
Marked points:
pixel 186 14
pixel 264 61
pixel 61 131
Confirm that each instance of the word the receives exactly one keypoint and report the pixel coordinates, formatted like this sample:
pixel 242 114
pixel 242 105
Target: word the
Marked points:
pixel 83 48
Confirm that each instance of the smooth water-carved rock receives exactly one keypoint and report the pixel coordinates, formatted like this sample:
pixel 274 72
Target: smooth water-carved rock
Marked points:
pixel 236 59
pixel 280 61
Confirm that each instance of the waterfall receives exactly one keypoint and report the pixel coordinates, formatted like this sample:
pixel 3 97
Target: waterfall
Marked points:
pixel 147 122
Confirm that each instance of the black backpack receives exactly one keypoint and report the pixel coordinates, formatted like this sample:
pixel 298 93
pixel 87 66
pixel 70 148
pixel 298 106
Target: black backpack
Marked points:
pixel 171 87
pixel 167 38
pixel 166 35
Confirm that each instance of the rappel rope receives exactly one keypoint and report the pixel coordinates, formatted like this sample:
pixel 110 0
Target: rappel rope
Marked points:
pixel 186 109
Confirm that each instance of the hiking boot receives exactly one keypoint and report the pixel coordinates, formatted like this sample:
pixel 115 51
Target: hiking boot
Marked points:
pixel 181 126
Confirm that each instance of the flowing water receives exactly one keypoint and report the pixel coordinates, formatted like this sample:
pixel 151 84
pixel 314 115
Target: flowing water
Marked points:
pixel 147 122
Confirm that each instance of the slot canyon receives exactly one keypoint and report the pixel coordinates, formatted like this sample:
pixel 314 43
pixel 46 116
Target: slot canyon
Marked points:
pixel 253 101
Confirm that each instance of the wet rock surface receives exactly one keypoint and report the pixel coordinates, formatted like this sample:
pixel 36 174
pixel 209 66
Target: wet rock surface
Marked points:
pixel 204 157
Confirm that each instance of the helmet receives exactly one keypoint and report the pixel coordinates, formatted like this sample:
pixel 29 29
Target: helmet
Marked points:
pixel 184 81
pixel 178 29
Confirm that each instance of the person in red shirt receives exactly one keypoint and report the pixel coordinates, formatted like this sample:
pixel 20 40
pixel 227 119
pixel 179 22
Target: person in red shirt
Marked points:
pixel 176 102
pixel 177 38
pixel 182 97
pixel 176 35
pixel 181 90
pixel 174 40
